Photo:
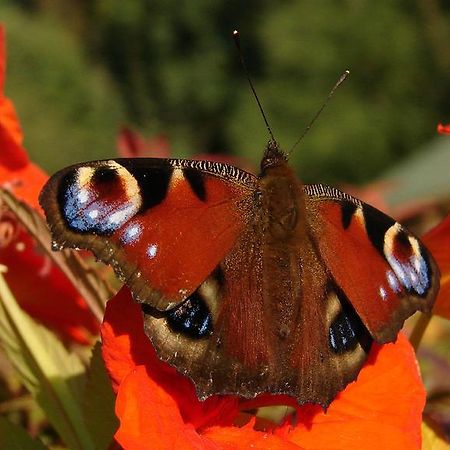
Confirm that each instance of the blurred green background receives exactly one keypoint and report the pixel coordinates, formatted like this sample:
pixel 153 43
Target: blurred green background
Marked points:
pixel 78 69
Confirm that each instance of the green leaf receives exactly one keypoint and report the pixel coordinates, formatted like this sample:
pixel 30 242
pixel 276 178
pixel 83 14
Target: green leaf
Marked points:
pixel 99 402
pixel 14 437
pixel 86 280
pixel 52 374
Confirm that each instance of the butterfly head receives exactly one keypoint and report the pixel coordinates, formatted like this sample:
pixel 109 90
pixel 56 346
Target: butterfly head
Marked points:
pixel 273 156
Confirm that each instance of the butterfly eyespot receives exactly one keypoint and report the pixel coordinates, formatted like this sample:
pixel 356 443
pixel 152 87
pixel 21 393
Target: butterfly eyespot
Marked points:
pixel 192 318
pixel 408 262
pixel 346 331
pixel 342 334
pixel 99 200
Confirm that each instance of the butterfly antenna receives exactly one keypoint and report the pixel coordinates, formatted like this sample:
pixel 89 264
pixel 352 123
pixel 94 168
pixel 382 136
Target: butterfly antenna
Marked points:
pixel 342 78
pixel 237 41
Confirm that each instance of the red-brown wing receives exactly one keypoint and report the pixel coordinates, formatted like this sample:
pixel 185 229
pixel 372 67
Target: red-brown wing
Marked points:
pixel 383 269
pixel 164 225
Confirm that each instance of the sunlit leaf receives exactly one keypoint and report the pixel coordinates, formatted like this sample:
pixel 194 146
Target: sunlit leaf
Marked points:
pixel 88 282
pixel 52 374
pixel 99 400
pixel 431 440
pixel 14 437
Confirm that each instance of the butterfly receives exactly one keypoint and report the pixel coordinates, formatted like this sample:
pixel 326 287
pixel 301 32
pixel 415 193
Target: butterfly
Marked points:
pixel 248 284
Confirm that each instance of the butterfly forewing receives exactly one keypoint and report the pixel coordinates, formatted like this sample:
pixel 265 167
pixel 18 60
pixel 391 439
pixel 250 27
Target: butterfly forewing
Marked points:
pixel 164 225
pixel 382 268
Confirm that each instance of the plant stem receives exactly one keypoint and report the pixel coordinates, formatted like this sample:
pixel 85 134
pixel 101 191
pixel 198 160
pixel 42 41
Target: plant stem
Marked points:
pixel 419 330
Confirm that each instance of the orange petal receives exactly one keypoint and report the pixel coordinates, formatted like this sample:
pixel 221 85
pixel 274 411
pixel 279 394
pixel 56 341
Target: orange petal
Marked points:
pixel 381 409
pixel 150 418
pixel 12 154
pixel 126 346
pixel 25 183
pixel 233 438
pixel 44 292
pixel 437 241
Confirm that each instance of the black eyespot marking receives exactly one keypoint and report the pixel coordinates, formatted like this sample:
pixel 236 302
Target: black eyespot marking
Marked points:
pixel 197 183
pixel 192 318
pixel 153 181
pixel 347 210
pixel 347 330
pixel 104 175
pixel 377 223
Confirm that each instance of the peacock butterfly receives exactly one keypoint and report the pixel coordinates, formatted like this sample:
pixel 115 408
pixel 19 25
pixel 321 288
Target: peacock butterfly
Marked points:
pixel 248 284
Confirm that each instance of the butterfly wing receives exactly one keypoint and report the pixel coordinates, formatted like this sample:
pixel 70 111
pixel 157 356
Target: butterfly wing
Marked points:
pixel 382 268
pixel 163 224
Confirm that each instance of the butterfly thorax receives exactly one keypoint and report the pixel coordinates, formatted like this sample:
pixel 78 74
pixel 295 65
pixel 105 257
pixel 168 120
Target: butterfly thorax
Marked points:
pixel 282 199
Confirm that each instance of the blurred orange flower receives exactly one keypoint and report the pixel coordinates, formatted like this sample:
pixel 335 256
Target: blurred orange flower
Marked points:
pixel 40 287
pixel 158 408
pixel 443 129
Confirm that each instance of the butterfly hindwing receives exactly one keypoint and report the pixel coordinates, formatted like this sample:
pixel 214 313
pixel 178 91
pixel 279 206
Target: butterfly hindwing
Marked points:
pixel 163 224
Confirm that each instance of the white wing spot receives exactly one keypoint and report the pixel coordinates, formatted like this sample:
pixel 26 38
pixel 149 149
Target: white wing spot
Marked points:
pixel 152 250
pixel 383 293
pixel 132 234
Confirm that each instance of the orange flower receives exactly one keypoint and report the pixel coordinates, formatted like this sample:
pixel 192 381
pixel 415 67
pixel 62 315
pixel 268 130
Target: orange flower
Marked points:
pixel 443 129
pixel 158 408
pixel 40 287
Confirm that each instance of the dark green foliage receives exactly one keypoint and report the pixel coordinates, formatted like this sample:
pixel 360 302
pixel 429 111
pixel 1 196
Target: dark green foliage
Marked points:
pixel 98 402
pixel 14 437
pixel 68 108
pixel 178 73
